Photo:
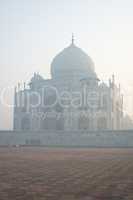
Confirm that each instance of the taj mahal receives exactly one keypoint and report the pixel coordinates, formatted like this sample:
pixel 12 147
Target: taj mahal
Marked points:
pixel 73 99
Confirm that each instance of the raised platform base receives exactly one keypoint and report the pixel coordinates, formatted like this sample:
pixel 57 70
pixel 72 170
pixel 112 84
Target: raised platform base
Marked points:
pixel 68 139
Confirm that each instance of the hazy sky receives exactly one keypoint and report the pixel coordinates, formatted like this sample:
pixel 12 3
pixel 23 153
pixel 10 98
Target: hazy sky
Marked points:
pixel 32 32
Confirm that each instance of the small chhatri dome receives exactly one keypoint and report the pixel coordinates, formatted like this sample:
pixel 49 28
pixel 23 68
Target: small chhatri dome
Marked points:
pixel 72 62
pixel 36 78
pixel 36 81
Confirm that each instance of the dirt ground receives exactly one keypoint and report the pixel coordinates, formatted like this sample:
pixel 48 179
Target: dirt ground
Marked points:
pixel 37 173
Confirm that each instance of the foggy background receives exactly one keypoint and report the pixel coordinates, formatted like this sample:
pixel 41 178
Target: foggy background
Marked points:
pixel 32 32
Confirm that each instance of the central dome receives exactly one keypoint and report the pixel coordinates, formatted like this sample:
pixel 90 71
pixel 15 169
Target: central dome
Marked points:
pixel 72 62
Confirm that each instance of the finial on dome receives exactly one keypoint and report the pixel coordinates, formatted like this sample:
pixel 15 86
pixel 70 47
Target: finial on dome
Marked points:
pixel 72 38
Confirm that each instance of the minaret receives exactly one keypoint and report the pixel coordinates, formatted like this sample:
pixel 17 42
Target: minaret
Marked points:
pixel 15 96
pixel 15 108
pixel 72 39
pixel 24 85
pixel 18 87
pixel 113 79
